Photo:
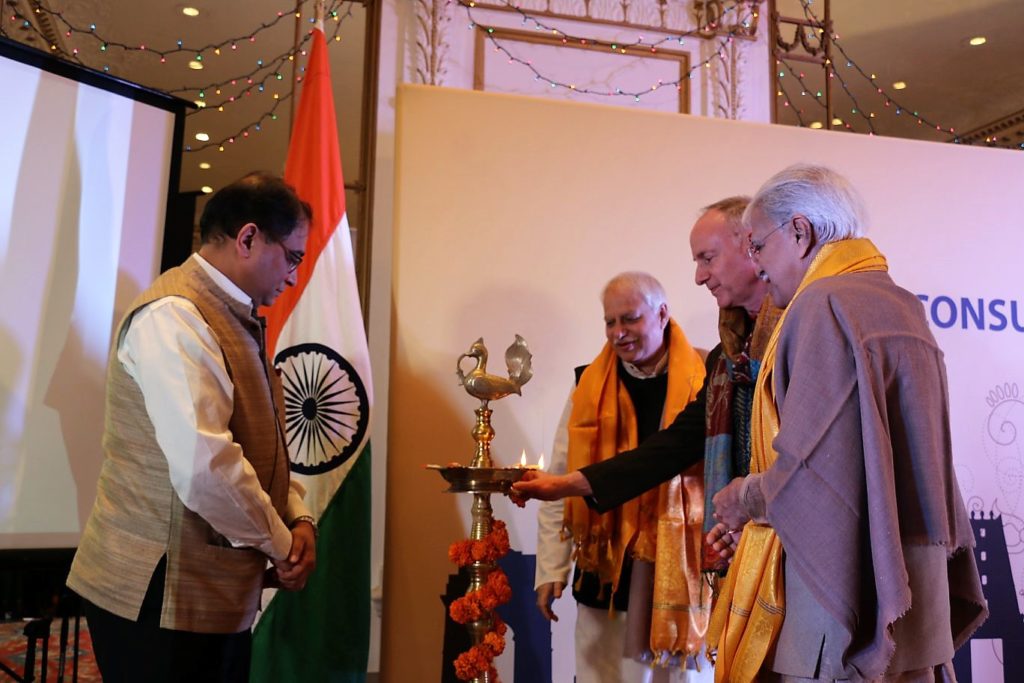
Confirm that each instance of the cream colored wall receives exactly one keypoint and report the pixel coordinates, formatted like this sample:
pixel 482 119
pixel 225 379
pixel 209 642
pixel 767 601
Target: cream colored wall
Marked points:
pixel 510 215
pixel 404 49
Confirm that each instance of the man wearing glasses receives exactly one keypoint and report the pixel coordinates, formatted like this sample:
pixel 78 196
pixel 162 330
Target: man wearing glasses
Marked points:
pixel 194 495
pixel 855 560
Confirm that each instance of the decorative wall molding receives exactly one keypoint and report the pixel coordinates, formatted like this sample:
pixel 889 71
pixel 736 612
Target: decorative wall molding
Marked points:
pixel 665 16
pixel 41 34
pixel 558 43
pixel 1006 132
pixel 432 19
pixel 812 43
pixel 738 18
pixel 726 94
pixel 537 38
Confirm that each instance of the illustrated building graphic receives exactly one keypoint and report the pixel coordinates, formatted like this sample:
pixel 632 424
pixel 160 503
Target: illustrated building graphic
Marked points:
pixel 1005 623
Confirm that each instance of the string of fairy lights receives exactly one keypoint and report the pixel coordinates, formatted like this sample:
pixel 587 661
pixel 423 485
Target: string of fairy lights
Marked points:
pixel 227 91
pixel 621 47
pixel 219 96
pixel 71 28
pixel 806 89
pixel 889 100
pixel 797 111
pixel 256 125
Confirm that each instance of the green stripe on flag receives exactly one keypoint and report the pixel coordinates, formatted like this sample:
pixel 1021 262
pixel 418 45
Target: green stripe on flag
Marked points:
pixel 322 633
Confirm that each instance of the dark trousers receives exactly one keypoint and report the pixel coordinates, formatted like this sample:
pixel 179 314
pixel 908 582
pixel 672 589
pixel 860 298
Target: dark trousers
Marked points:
pixel 130 651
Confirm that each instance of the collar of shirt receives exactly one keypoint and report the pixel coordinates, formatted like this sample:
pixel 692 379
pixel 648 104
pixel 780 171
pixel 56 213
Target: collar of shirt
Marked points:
pixel 222 281
pixel 659 369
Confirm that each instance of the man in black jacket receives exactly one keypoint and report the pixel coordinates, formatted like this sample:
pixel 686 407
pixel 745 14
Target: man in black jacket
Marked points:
pixel 717 422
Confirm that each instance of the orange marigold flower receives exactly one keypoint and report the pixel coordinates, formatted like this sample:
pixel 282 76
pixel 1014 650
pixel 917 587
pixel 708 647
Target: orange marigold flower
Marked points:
pixel 465 610
pixel 497 584
pixel 461 553
pixel 497 578
pixel 499 538
pixel 495 642
pixel 469 664
pixel 480 551
pixel 489 549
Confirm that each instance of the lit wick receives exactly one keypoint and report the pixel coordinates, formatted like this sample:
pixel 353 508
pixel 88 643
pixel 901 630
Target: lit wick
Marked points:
pixel 540 463
pixel 522 459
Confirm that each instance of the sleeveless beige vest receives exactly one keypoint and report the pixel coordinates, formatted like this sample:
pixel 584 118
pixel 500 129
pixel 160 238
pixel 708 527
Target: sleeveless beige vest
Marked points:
pixel 210 587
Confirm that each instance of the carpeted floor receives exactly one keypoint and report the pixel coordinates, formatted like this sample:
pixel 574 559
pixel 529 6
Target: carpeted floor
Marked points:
pixel 13 645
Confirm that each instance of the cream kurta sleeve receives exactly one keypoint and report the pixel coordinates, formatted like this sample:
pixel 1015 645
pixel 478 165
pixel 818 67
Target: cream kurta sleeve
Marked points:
pixel 553 553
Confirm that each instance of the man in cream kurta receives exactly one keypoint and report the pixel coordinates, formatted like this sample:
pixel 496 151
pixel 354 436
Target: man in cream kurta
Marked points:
pixel 646 354
pixel 194 496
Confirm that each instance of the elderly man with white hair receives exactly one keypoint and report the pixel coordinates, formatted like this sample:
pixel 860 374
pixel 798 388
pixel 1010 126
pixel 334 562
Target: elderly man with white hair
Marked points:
pixel 638 597
pixel 855 560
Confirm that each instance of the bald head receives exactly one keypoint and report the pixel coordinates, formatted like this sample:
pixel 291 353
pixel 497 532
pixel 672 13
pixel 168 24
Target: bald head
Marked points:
pixel 635 317
pixel 640 283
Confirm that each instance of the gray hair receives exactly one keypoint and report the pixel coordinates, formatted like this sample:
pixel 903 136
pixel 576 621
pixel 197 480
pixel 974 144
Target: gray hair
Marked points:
pixel 644 284
pixel 827 199
pixel 732 208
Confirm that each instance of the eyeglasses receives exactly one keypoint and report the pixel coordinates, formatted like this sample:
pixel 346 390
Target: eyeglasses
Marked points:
pixel 754 248
pixel 294 258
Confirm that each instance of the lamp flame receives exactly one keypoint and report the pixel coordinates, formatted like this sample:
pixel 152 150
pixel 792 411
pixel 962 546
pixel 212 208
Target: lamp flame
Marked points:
pixel 540 463
pixel 522 459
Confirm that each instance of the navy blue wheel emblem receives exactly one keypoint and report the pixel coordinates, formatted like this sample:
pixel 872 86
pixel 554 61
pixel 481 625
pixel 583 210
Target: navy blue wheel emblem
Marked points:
pixel 326 408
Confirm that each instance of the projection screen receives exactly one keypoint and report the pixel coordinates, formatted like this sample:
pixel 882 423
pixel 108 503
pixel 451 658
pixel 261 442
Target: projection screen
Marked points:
pixel 86 168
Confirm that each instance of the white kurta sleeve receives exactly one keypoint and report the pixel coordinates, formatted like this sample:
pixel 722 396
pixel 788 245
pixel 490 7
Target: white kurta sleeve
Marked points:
pixel 171 353
pixel 553 553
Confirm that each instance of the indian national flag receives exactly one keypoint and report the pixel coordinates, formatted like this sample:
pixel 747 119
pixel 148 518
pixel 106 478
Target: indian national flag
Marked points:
pixel 316 337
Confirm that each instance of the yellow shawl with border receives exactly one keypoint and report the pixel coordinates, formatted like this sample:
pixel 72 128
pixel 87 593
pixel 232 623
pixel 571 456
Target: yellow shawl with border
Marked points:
pixel 663 525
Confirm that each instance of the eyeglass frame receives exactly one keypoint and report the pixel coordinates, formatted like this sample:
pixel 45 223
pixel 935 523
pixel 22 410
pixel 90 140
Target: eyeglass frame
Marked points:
pixel 754 248
pixel 294 258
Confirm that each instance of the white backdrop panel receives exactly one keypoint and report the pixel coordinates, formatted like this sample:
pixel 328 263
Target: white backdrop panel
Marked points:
pixel 512 212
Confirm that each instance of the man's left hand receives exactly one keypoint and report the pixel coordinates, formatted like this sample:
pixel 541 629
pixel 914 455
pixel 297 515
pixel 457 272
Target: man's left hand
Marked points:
pixel 729 508
pixel 293 572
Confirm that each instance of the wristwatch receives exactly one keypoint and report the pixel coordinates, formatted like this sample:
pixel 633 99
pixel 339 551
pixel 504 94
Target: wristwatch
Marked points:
pixel 306 518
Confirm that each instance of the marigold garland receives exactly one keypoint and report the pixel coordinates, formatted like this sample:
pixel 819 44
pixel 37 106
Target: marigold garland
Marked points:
pixel 478 659
pixel 476 604
pixel 481 603
pixel 488 549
